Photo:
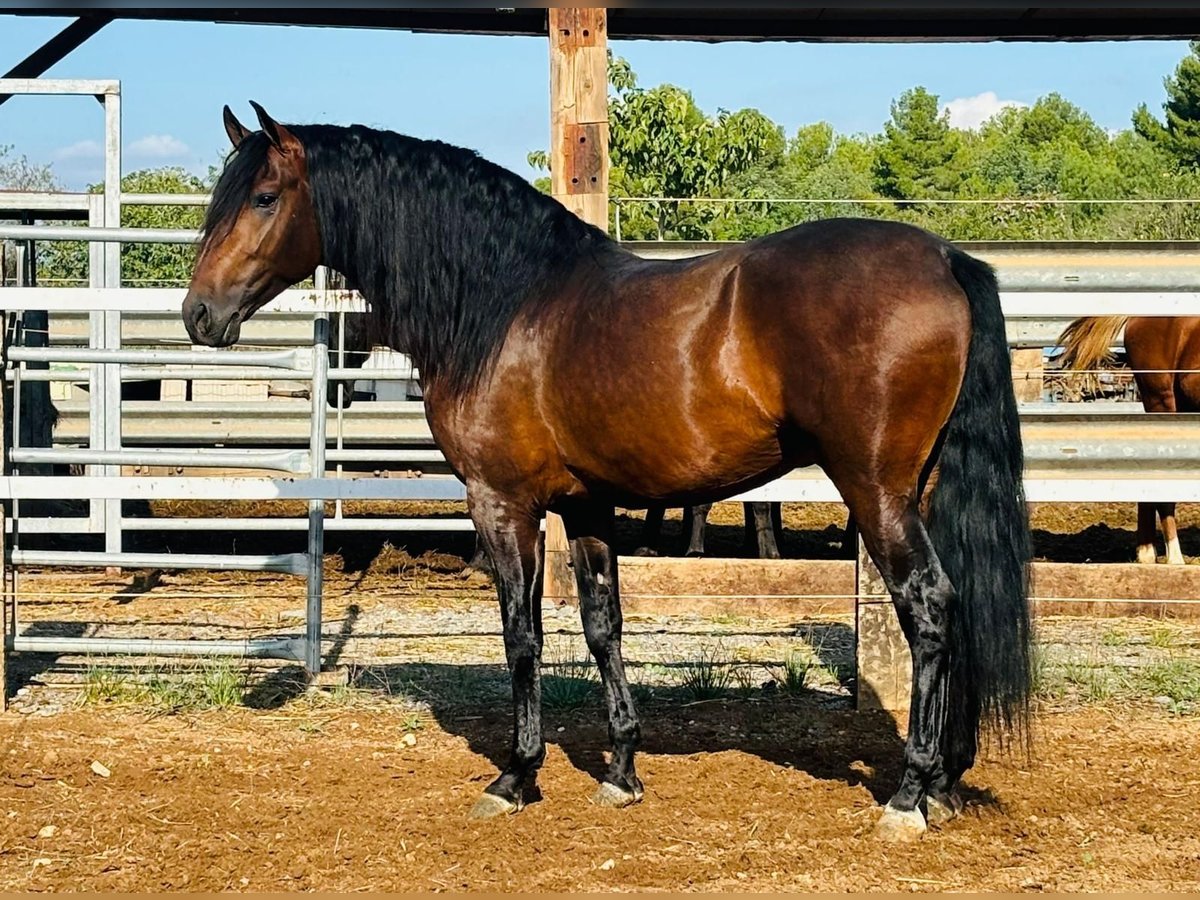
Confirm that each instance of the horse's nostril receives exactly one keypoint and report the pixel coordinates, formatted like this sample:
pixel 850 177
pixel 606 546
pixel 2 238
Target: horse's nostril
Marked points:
pixel 200 314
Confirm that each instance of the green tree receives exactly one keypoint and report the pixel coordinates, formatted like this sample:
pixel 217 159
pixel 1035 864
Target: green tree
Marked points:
pixel 661 144
pixel 17 173
pixel 160 265
pixel 917 156
pixel 142 265
pixel 1180 135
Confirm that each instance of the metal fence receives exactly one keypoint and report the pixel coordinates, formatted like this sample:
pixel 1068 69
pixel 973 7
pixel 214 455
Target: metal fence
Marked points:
pixel 1075 452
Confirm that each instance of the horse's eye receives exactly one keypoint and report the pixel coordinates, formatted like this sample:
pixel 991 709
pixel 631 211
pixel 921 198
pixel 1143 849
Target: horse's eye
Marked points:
pixel 265 201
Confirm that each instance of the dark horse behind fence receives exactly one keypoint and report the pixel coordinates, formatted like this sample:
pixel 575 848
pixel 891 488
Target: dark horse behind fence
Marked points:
pixel 563 373
pixel 1164 354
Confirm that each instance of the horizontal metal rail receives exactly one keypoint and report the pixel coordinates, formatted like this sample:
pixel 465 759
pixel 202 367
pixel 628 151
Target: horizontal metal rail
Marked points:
pixel 806 485
pixel 195 373
pixel 98 234
pixel 291 360
pixel 92 87
pixel 163 373
pixel 186 487
pixel 77 525
pixel 168 300
pixel 295 461
pixel 290 563
pixel 262 648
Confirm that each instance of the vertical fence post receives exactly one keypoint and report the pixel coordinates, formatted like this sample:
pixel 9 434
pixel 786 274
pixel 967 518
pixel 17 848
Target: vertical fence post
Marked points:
pixel 884 676
pixel 111 330
pixel 7 619
pixel 578 177
pixel 316 508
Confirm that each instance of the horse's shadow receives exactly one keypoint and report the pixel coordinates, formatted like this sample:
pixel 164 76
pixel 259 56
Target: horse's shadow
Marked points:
pixel 812 731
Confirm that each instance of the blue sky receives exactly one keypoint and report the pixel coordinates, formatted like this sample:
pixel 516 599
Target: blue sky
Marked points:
pixel 491 93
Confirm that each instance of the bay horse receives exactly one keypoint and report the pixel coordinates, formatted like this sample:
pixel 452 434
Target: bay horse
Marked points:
pixel 1164 354
pixel 563 373
pixel 353 333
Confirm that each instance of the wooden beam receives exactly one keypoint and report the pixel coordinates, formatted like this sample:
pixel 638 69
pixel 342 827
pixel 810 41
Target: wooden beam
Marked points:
pixel 53 51
pixel 578 178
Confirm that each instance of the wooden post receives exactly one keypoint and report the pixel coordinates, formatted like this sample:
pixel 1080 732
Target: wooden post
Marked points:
pixel 1027 372
pixel 578 178
pixel 884 676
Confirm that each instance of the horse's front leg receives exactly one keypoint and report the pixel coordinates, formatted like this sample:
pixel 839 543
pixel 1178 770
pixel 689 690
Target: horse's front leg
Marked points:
pixel 509 531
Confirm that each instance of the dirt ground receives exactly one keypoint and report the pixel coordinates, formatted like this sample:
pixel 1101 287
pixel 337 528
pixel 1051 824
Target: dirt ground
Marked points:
pixel 115 780
pixel 777 795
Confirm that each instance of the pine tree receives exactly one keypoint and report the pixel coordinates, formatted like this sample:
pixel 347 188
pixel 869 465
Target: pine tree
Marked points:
pixel 1180 134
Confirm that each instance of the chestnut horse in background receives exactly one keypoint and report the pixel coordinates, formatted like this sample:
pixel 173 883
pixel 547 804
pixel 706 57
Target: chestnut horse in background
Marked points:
pixel 563 373
pixel 1164 354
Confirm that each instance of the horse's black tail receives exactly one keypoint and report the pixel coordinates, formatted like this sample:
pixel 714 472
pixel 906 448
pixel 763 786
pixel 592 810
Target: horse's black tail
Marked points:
pixel 979 526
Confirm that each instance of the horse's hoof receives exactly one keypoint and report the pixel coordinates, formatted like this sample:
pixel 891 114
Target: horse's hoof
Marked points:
pixel 645 551
pixel 939 811
pixel 608 794
pixel 899 826
pixel 489 806
pixel 1146 554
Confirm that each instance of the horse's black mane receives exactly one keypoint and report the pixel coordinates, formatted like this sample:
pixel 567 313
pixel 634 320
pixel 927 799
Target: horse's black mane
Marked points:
pixel 447 246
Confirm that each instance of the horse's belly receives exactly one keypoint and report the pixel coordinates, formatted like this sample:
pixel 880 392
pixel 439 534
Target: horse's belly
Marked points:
pixel 657 464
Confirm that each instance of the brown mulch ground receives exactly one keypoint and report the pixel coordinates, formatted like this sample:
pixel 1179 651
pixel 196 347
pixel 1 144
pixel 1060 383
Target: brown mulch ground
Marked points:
pixel 760 792
pixel 777 795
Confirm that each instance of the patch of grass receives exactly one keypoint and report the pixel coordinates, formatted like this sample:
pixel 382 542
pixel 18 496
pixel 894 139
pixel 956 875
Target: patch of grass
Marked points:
pixel 1164 637
pixel 743 678
pixel 705 678
pixel 412 722
pixel 1100 686
pixel 1178 679
pixel 103 684
pixel 217 686
pixel 569 680
pixel 172 689
pixel 796 673
pixel 1114 637
pixel 1048 680
pixel 727 619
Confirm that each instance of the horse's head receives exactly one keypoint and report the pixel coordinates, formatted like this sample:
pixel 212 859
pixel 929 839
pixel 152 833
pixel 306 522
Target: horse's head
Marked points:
pixel 260 235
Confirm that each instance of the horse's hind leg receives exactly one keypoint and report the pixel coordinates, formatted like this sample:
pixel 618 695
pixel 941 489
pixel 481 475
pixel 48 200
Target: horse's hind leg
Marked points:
pixel 590 529
pixel 761 519
pixel 900 547
pixel 1146 529
pixel 651 531
pixel 1166 513
pixel 510 533
pixel 695 520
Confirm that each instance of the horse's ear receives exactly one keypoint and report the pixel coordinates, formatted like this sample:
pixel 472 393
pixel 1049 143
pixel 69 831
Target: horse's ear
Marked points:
pixel 236 130
pixel 282 139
